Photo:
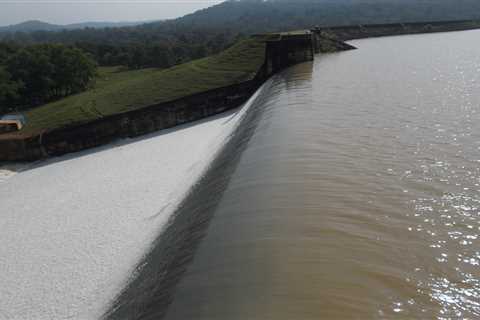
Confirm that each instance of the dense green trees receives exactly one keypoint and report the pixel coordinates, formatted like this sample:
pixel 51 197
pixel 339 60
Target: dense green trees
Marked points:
pixel 8 91
pixel 6 50
pixel 136 47
pixel 36 74
pixel 158 52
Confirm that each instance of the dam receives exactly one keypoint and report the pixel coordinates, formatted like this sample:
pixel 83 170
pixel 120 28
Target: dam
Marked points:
pixel 350 192
pixel 226 81
pixel 347 187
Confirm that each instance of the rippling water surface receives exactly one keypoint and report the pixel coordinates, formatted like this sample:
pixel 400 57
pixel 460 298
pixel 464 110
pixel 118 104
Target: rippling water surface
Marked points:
pixel 358 194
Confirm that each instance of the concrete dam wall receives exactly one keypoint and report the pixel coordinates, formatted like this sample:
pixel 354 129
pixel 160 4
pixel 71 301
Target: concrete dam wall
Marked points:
pixel 286 50
pixel 126 125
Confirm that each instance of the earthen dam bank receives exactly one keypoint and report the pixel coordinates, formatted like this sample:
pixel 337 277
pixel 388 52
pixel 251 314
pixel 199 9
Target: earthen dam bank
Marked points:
pixel 280 51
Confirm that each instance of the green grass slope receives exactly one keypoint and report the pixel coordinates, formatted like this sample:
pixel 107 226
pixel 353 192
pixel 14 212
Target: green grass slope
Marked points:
pixel 119 91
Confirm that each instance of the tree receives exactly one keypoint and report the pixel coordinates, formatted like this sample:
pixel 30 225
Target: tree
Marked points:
pixel 160 56
pixel 137 57
pixel 6 50
pixel 8 92
pixel 50 71
pixel 73 70
pixel 34 69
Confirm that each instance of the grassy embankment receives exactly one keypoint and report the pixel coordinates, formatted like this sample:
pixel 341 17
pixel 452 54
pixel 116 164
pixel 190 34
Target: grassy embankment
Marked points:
pixel 119 91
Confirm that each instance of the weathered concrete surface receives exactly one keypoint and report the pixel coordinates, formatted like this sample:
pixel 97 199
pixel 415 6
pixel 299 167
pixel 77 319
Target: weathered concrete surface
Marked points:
pixel 126 125
pixel 324 42
pixel 290 49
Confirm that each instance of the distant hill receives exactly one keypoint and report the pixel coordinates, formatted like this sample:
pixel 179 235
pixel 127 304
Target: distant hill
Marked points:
pixel 28 26
pixel 36 25
pixel 252 16
pixel 276 15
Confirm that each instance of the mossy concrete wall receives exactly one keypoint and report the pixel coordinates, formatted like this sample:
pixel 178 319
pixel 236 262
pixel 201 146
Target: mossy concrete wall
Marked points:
pixel 281 53
pixel 126 125
pixel 324 42
pixel 289 50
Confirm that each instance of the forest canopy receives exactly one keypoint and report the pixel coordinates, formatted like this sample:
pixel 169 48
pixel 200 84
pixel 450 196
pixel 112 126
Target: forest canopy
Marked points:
pixel 33 75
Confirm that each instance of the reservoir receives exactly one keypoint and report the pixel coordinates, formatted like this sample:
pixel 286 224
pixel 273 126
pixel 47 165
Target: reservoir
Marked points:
pixel 355 195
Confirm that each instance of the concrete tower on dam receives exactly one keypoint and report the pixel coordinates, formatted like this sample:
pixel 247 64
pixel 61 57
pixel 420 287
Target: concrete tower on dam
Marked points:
pixel 288 49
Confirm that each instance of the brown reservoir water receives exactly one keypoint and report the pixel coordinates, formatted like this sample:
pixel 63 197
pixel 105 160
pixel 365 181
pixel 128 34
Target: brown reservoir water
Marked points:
pixel 357 195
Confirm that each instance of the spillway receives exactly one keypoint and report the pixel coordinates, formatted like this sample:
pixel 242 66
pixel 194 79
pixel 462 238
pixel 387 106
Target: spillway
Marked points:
pixel 351 190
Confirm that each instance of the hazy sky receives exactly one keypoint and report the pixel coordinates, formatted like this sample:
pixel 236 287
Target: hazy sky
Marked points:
pixel 73 11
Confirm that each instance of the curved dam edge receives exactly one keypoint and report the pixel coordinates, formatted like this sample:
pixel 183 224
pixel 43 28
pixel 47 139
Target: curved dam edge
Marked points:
pixel 74 234
pixel 149 292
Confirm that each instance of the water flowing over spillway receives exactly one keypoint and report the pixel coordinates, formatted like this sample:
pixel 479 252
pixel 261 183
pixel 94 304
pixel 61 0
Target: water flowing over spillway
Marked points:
pixel 357 195
pixel 349 189
pixel 73 228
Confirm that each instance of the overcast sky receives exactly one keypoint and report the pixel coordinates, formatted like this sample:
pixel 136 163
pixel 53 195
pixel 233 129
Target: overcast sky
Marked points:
pixel 73 11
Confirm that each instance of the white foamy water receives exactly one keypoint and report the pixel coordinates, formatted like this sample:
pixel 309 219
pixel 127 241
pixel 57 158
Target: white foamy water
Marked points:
pixel 72 229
